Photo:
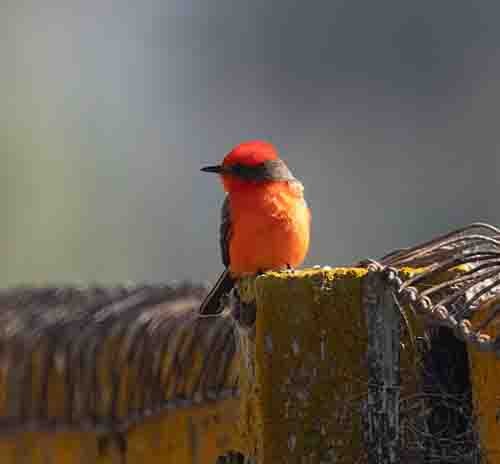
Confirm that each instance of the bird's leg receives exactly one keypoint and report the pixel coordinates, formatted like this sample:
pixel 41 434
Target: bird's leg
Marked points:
pixel 243 312
pixel 290 268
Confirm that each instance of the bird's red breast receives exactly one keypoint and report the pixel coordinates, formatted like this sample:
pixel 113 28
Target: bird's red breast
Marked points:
pixel 270 225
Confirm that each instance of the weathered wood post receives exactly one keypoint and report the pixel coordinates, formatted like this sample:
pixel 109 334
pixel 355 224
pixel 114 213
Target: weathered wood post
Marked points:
pixel 381 411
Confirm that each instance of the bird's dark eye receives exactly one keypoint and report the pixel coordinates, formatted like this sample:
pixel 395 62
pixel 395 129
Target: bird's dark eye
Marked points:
pixel 239 170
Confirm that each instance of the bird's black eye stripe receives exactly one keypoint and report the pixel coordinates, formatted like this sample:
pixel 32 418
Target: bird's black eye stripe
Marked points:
pixel 269 170
pixel 240 170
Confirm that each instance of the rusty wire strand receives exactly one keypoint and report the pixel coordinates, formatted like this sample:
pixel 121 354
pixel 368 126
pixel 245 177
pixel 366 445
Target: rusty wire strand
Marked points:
pixel 445 247
pixel 439 240
pixel 488 288
pixel 448 264
pixel 461 291
pixel 465 278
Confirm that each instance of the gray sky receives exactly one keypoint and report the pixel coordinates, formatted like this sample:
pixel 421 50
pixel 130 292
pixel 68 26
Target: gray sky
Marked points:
pixel 387 111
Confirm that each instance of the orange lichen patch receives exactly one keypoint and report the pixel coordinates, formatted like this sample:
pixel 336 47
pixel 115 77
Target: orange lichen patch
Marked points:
pixel 485 372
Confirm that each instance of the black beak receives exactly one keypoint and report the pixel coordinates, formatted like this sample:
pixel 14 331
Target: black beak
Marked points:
pixel 215 169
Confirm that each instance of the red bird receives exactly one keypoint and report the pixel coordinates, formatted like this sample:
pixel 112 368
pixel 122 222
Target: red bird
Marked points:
pixel 265 219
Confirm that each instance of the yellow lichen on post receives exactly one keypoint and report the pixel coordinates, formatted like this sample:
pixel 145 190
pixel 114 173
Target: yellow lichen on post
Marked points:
pixel 485 371
pixel 301 396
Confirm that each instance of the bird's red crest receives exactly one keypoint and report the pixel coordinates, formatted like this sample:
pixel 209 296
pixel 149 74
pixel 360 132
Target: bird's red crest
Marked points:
pixel 251 153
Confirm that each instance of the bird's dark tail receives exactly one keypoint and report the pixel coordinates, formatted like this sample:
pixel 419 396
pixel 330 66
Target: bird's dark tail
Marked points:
pixel 211 303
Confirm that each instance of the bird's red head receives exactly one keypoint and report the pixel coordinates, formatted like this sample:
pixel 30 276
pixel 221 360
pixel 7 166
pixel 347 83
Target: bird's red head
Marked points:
pixel 250 153
pixel 249 163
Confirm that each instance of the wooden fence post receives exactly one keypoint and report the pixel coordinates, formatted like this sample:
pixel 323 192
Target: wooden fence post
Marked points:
pixel 381 411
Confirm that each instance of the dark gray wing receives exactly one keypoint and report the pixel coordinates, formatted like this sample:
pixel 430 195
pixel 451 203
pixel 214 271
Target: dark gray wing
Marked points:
pixel 212 302
pixel 225 231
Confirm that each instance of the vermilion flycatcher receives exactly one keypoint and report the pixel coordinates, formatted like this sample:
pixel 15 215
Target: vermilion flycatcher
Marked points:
pixel 265 219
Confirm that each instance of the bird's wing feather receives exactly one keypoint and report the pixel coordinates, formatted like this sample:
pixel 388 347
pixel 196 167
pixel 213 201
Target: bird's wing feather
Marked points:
pixel 211 304
pixel 225 231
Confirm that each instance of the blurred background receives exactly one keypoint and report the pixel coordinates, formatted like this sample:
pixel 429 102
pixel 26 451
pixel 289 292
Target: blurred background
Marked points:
pixel 387 111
